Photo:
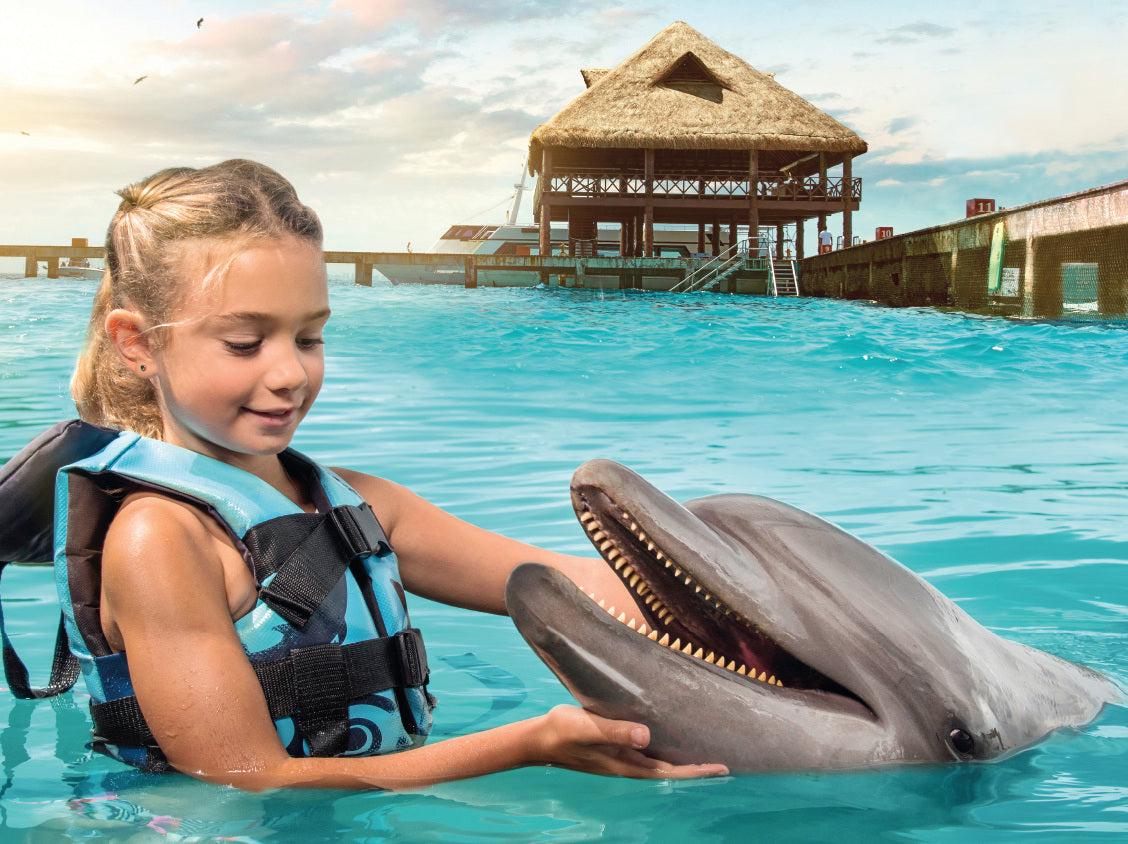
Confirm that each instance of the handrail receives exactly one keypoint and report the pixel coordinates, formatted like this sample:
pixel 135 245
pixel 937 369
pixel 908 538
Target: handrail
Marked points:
pixel 775 286
pixel 708 272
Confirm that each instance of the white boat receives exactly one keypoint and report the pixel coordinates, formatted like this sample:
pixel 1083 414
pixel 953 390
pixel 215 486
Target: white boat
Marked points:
pixel 79 268
pixel 511 239
pixel 505 239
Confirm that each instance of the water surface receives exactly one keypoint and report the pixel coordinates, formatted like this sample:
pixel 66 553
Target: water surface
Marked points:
pixel 987 455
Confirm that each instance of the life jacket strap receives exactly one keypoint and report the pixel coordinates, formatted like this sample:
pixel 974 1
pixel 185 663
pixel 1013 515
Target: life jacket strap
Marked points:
pixel 308 554
pixel 312 685
pixel 64 666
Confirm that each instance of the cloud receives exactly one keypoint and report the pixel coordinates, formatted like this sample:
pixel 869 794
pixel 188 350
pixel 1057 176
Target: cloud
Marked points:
pixel 912 33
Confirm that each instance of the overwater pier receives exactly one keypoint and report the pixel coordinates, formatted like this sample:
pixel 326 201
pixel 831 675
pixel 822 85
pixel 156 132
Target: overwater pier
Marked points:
pixel 1035 260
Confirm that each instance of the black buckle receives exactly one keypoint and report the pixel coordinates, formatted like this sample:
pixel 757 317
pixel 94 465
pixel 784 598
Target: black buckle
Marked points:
pixel 413 657
pixel 360 530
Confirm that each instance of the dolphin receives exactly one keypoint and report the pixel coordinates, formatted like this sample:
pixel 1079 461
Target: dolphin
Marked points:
pixel 768 639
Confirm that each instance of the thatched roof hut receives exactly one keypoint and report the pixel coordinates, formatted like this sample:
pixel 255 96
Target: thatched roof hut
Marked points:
pixel 683 132
pixel 682 92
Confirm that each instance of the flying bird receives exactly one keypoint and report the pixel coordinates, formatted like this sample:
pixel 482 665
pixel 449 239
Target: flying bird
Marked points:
pixel 199 23
pixel 25 133
pixel 139 78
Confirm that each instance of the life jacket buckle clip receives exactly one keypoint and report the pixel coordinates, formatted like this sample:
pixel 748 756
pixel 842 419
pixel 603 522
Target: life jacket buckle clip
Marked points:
pixel 360 530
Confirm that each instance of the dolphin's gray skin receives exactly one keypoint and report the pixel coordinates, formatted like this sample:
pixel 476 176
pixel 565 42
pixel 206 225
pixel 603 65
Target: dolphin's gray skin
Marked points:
pixel 857 661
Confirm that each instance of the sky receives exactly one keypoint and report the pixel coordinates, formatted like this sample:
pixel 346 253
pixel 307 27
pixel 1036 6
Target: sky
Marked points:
pixel 397 118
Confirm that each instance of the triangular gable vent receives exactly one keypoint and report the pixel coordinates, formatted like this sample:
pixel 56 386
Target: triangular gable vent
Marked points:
pixel 690 75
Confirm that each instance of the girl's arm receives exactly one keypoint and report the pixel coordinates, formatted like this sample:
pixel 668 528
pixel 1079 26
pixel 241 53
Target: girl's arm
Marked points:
pixel 446 559
pixel 164 591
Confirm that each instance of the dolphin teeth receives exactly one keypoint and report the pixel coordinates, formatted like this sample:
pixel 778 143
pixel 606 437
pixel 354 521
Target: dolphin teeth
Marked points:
pixel 669 563
pixel 631 624
pixel 665 640
pixel 602 603
pixel 649 546
pixel 635 578
pixel 634 527
pixel 613 553
pixel 611 611
pixel 677 645
pixel 742 671
pixel 731 665
pixel 688 580
pixel 688 649
pixel 699 653
pixel 643 629
pixel 642 589
pixel 697 587
pixel 774 681
pixel 677 572
pixel 598 536
pixel 659 555
pixel 605 545
pixel 619 563
pixel 652 635
pixel 586 516
pixel 763 676
pixel 712 658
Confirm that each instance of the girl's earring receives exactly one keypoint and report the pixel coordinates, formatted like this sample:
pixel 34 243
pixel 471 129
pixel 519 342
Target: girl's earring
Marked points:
pixel 142 367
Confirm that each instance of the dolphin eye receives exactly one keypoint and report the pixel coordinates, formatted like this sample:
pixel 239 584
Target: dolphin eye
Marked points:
pixel 962 741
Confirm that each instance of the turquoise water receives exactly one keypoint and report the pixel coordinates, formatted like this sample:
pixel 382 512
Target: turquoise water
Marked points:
pixel 989 456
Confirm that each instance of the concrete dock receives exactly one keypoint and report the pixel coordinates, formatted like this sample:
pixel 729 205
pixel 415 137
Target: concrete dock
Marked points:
pixel 1039 249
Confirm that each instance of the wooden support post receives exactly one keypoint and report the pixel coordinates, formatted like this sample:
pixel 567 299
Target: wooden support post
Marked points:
pixel 471 273
pixel 779 241
pixel 799 239
pixel 716 238
pixel 648 219
pixel 31 267
pixel 847 193
pixel 700 238
pixel 754 203
pixel 52 268
pixel 732 233
pixel 822 192
pixel 581 273
pixel 545 243
pixel 362 274
pixel 624 238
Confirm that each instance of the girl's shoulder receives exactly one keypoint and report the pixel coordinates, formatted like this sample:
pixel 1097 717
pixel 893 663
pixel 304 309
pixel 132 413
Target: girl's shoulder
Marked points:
pixel 154 527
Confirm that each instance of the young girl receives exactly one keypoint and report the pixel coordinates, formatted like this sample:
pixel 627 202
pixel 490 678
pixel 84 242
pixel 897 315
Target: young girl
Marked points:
pixel 237 609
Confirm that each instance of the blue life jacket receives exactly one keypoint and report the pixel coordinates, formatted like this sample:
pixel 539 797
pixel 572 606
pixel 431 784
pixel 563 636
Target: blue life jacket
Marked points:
pixel 329 638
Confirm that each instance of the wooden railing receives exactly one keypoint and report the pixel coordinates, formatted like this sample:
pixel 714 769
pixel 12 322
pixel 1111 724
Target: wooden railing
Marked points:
pixel 771 185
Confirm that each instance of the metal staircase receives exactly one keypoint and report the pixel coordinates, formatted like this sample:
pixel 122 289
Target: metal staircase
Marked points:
pixel 715 270
pixel 785 278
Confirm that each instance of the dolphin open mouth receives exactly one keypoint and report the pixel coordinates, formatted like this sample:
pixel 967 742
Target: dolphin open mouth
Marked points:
pixel 675 610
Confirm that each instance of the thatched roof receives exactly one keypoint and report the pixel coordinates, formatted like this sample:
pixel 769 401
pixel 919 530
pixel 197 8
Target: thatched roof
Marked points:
pixel 682 91
pixel 592 75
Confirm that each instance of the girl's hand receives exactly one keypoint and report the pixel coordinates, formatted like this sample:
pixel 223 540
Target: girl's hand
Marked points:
pixel 582 741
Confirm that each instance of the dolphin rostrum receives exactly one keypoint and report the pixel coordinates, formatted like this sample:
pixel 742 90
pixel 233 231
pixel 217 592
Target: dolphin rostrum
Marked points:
pixel 768 639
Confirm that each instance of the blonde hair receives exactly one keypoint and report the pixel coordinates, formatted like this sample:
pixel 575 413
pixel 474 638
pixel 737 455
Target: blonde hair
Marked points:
pixel 235 201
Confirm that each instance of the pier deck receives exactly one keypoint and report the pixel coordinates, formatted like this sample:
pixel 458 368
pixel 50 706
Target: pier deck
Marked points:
pixel 465 270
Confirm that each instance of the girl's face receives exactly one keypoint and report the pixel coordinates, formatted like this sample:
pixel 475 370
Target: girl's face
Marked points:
pixel 243 362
